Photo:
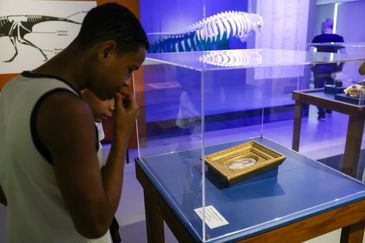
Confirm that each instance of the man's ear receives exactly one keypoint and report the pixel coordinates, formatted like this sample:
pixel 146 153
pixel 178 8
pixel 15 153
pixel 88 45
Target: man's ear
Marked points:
pixel 105 49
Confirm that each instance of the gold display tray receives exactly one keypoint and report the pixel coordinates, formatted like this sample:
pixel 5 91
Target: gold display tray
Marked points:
pixel 243 161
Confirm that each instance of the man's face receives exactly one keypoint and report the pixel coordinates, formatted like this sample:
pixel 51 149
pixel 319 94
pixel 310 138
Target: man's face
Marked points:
pixel 115 72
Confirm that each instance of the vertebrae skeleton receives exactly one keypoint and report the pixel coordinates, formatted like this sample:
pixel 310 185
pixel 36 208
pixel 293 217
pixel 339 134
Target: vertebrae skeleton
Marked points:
pixel 17 26
pixel 222 25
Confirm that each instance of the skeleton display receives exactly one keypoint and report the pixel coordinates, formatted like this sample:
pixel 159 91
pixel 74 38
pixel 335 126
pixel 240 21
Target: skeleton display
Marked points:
pixel 232 58
pixel 220 26
pixel 15 27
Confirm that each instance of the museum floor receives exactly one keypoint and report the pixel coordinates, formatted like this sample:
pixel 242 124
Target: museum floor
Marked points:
pixel 319 140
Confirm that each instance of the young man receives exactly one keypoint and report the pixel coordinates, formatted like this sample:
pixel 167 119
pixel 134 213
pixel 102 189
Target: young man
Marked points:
pixel 51 181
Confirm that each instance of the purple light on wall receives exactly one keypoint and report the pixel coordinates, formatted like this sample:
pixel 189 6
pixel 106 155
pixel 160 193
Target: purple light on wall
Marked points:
pixel 175 15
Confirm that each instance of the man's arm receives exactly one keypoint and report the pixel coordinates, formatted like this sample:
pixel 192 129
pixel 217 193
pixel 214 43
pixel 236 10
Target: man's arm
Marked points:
pixel 3 198
pixel 362 68
pixel 340 66
pixel 66 127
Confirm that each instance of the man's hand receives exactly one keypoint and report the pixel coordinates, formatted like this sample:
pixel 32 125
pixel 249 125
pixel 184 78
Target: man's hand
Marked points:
pixel 362 68
pixel 125 114
pixel 3 198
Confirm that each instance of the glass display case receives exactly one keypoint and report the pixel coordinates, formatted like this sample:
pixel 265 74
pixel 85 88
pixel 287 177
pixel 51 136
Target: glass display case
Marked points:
pixel 217 133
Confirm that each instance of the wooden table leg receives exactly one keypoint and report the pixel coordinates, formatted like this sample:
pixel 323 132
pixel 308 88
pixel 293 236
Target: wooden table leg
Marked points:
pixel 353 233
pixel 297 125
pixel 154 221
pixel 158 211
pixel 353 145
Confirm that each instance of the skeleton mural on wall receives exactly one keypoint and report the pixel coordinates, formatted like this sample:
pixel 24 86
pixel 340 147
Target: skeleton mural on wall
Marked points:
pixel 201 35
pixel 15 27
pixel 33 31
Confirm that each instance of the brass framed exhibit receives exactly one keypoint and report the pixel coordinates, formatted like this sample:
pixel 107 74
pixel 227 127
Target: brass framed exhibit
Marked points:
pixel 243 161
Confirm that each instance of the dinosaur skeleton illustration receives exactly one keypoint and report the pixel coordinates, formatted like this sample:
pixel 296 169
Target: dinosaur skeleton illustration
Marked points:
pixel 17 26
pixel 209 30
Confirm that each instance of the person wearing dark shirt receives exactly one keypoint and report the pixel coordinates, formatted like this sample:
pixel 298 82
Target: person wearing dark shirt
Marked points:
pixel 322 72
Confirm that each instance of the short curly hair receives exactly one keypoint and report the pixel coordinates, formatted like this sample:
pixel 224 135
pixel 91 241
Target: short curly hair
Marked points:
pixel 112 21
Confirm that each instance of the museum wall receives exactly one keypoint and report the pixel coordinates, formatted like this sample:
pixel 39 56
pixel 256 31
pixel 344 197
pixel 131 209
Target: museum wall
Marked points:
pixel 5 76
pixel 159 17
pixel 351 21
pixel 176 14
pixel 7 73
pixel 350 16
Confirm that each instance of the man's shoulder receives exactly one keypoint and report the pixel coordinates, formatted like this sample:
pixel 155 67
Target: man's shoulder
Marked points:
pixel 63 111
pixel 316 38
pixel 63 99
pixel 322 38
pixel 339 38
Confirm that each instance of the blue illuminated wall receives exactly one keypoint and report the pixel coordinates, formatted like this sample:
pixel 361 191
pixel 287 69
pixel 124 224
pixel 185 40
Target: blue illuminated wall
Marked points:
pixel 349 23
pixel 231 98
pixel 172 15
pixel 350 19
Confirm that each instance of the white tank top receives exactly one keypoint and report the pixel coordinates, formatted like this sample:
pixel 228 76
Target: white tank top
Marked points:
pixel 36 210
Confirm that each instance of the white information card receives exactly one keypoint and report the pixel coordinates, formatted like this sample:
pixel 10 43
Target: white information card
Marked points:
pixel 212 217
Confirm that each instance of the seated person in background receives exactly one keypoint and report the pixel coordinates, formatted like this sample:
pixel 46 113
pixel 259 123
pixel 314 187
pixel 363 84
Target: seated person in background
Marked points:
pixel 102 110
pixel 322 72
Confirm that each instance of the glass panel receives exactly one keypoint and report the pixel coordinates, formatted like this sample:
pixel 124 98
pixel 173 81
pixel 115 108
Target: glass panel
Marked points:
pixel 232 104
pixel 170 138
pixel 171 108
pixel 238 59
pixel 278 104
